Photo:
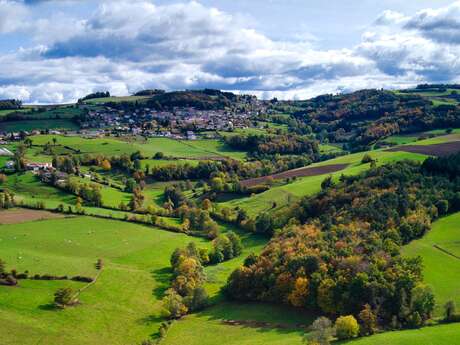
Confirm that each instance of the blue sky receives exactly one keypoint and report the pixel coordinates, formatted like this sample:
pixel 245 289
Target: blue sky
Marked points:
pixel 57 51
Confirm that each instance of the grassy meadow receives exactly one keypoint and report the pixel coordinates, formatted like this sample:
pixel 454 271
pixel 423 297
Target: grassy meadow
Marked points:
pixel 440 251
pixel 199 149
pixel 121 308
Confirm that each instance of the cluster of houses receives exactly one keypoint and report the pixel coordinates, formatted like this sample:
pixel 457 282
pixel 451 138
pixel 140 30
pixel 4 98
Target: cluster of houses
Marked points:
pixel 180 123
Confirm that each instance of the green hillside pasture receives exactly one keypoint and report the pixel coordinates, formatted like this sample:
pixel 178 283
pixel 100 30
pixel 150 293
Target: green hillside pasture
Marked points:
pixel 199 149
pixel 435 335
pixel 441 268
pixel 439 140
pixel 324 148
pixel 108 146
pixel 115 99
pixel 163 162
pixel 400 139
pixel 216 147
pixel 119 309
pixel 287 194
pixel 29 125
pixel 441 137
pixel 27 185
pixel 9 111
pixel 208 328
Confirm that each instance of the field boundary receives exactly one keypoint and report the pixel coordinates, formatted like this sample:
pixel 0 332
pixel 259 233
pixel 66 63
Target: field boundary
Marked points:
pixel 299 172
pixel 439 150
pixel 445 251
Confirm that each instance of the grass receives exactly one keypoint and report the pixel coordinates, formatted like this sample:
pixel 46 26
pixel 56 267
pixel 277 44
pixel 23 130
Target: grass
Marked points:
pixel 29 186
pixel 29 125
pixel 206 328
pixel 200 149
pixel 324 148
pixel 286 194
pixel 121 308
pixel 436 335
pixel 115 99
pixel 440 269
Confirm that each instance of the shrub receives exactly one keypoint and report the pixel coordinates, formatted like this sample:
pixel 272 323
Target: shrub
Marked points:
pixel 197 300
pixel 367 159
pixel 442 206
pixel 368 321
pixel 321 331
pixel 173 305
pixel 346 327
pixel 64 297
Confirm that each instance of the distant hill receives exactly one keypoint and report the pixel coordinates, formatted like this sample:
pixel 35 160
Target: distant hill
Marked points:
pixel 363 117
pixel 10 104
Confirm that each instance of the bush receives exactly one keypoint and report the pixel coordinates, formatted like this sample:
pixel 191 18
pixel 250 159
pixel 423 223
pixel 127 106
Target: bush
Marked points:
pixel 368 321
pixel 442 206
pixel 173 305
pixel 346 327
pixel 64 297
pixel 367 159
pixel 321 331
pixel 197 300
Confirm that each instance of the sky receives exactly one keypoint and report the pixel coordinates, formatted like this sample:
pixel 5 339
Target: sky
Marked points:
pixel 56 51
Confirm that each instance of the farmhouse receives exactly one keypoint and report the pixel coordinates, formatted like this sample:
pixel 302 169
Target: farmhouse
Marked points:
pixel 34 166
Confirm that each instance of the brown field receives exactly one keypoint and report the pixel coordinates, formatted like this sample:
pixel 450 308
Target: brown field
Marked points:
pixel 21 215
pixel 300 172
pixel 440 150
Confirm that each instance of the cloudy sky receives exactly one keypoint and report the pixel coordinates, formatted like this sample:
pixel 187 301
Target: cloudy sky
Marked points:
pixel 57 51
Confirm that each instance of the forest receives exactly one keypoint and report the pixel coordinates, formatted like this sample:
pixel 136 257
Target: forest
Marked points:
pixel 339 251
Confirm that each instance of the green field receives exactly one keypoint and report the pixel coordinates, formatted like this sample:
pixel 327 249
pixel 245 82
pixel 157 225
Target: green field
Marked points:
pixel 119 309
pixel 436 335
pixel 175 148
pixel 207 328
pixel 440 268
pixel 115 99
pixel 29 125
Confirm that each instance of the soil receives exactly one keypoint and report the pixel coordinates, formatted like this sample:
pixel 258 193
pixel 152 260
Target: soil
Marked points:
pixel 439 150
pixel 300 172
pixel 14 216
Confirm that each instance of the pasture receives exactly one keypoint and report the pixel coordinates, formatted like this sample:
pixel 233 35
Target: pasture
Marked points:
pixel 121 308
pixel 440 251
pixel 29 125
pixel 435 335
pixel 199 149
pixel 115 99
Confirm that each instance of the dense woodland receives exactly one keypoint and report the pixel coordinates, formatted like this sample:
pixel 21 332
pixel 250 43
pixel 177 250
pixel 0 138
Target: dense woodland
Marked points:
pixel 274 144
pixel 361 118
pixel 8 104
pixel 338 252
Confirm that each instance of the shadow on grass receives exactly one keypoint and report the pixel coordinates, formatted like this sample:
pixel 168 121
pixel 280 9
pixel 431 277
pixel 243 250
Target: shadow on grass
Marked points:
pixel 259 316
pixel 49 307
pixel 162 277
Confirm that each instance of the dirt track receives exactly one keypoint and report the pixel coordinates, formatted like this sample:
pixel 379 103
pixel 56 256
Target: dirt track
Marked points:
pixel 300 172
pixel 440 150
pixel 21 215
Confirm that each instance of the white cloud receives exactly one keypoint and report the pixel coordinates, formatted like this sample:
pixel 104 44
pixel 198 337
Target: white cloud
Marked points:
pixel 125 46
